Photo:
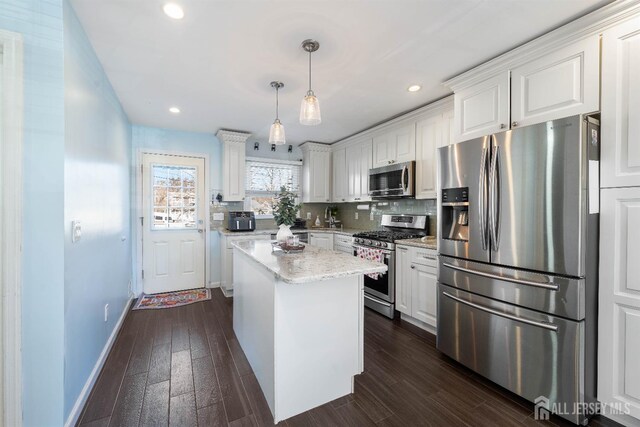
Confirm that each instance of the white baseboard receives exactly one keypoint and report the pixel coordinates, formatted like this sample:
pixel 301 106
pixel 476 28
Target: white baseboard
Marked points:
pixel 84 394
pixel 214 285
pixel 420 324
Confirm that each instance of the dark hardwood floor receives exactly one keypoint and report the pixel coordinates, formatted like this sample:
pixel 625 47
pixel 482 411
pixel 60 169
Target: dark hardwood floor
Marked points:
pixel 183 366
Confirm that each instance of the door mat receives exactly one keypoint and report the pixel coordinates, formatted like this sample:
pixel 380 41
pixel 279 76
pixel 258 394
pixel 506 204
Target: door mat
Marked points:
pixel 172 299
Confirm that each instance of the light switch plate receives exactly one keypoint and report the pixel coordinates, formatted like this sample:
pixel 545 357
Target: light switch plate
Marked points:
pixel 76 231
pixel 356 215
pixel 308 215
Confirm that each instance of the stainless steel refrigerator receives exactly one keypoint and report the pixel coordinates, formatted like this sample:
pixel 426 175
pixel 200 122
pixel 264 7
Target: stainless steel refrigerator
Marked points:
pixel 517 277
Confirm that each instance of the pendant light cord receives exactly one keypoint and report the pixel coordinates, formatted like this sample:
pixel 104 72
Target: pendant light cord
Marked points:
pixel 309 72
pixel 277 102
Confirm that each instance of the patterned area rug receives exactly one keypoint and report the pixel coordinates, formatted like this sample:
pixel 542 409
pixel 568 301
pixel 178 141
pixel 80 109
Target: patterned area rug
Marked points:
pixel 172 299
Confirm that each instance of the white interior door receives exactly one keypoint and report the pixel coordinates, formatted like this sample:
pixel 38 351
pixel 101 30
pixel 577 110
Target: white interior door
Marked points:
pixel 173 246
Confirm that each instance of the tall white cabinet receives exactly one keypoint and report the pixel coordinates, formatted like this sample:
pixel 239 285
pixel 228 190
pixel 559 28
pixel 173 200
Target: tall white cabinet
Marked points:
pixel 233 164
pixel 619 301
pixel 316 172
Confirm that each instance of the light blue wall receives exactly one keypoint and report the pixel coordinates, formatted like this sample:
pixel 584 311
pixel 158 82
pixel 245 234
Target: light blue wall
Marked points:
pixel 97 269
pixel 148 138
pixel 40 23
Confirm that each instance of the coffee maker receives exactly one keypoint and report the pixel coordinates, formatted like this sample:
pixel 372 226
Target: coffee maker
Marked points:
pixel 455 213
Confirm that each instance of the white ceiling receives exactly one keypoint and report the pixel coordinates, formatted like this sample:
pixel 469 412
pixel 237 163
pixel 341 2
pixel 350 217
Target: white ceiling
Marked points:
pixel 217 62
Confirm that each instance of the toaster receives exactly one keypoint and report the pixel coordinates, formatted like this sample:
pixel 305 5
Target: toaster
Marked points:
pixel 241 221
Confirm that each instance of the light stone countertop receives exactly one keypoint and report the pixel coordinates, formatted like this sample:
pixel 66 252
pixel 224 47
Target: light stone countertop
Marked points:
pixel 311 265
pixel 430 243
pixel 345 231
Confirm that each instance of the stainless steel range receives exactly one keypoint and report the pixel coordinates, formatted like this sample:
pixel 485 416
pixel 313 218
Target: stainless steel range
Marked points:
pixel 380 289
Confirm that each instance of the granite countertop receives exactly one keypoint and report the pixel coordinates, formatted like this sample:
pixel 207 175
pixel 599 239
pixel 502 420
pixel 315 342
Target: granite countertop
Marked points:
pixel 429 243
pixel 311 265
pixel 345 231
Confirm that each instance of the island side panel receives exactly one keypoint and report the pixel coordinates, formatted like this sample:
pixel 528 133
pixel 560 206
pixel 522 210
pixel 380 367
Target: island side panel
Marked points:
pixel 317 342
pixel 253 319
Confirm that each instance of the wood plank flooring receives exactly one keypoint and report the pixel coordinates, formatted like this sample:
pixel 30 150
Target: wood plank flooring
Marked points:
pixel 183 366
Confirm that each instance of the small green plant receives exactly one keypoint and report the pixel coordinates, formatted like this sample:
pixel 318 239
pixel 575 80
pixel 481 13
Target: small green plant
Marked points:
pixel 285 209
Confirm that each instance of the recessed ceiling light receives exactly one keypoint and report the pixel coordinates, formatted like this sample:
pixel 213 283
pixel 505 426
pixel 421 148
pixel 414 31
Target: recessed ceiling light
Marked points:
pixel 173 10
pixel 174 110
pixel 414 88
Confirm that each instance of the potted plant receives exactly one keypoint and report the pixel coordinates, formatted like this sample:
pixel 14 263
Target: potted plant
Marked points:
pixel 284 212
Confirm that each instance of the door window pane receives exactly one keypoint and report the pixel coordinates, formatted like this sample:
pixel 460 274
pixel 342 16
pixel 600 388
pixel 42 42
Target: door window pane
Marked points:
pixel 174 197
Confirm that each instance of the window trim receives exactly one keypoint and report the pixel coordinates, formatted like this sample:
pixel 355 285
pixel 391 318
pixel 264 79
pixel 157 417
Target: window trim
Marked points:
pixel 249 194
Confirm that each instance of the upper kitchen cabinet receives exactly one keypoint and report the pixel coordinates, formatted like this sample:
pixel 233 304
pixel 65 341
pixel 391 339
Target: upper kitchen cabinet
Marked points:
pixel 620 117
pixel 359 160
pixel 432 132
pixel 561 84
pixel 233 164
pixel 394 145
pixel 482 109
pixel 339 184
pixel 513 91
pixel 316 172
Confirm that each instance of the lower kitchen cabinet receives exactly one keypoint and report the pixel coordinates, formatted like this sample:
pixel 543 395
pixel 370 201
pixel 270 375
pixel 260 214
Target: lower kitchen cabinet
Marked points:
pixel 226 256
pixel 416 285
pixel 321 240
pixel 619 301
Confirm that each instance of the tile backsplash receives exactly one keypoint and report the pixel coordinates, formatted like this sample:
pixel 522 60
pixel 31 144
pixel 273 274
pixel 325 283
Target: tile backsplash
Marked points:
pixel 368 218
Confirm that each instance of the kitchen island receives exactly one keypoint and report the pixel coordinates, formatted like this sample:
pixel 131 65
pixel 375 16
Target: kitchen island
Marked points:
pixel 299 319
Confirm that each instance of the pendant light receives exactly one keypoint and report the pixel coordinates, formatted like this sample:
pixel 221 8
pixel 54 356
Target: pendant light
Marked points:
pixel 310 108
pixel 276 133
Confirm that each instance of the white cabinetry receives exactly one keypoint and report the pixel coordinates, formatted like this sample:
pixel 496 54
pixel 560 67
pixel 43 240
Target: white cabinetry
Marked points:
pixel 394 145
pixel 358 161
pixel 233 164
pixel 321 240
pixel 621 105
pixel 432 133
pixel 482 109
pixel 619 304
pixel 226 264
pixel 316 172
pixel 562 83
pixel 343 243
pixel 416 285
pixel 339 184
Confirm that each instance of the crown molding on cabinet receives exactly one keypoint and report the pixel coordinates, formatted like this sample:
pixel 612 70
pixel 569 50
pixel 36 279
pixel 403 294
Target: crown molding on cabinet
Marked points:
pixel 224 135
pixel 441 104
pixel 593 23
pixel 314 146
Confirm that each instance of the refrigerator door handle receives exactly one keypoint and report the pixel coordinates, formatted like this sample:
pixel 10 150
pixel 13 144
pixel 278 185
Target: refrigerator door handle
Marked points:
pixel 549 326
pixel 548 285
pixel 494 189
pixel 483 197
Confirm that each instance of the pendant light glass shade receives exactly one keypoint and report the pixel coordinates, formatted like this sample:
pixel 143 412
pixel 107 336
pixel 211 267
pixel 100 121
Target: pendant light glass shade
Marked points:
pixel 310 110
pixel 276 133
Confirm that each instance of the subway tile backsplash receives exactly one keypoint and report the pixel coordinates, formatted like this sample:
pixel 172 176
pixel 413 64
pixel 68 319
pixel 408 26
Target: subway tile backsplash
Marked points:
pixel 368 219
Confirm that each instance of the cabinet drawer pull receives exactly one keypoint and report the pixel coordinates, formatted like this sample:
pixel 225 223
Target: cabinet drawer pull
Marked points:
pixel 413 266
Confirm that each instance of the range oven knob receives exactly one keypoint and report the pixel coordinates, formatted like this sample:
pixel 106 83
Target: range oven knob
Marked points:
pixel 379 243
pixel 367 242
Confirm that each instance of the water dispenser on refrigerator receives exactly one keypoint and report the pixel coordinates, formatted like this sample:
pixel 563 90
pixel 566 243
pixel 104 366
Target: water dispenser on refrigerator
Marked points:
pixel 455 213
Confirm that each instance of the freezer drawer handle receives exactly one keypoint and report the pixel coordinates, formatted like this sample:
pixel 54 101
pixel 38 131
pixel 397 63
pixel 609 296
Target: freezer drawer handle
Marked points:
pixel 550 286
pixel 549 326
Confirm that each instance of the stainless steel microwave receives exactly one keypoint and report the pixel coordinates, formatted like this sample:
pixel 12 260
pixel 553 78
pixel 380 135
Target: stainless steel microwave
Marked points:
pixel 395 180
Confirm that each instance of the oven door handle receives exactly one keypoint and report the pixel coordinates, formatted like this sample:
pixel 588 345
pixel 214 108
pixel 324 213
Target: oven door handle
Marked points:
pixel 377 300
pixel 549 326
pixel 384 251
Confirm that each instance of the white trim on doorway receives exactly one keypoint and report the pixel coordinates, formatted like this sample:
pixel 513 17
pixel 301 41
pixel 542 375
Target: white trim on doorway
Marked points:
pixel 137 267
pixel 11 110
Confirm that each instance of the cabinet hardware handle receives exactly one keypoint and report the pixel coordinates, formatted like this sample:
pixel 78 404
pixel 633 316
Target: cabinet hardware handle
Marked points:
pixel 413 266
pixel 514 124
pixel 502 126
